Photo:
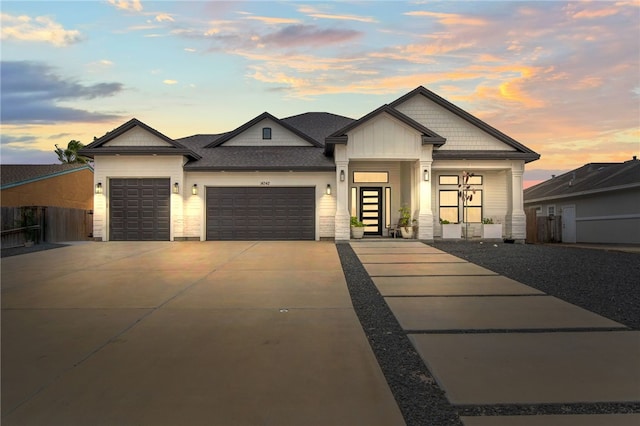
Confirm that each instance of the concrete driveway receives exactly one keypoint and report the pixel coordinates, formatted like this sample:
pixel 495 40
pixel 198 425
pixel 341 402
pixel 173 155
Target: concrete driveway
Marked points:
pixel 211 333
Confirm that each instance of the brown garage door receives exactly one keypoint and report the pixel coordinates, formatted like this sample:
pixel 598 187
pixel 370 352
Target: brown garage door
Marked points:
pixel 139 209
pixel 263 213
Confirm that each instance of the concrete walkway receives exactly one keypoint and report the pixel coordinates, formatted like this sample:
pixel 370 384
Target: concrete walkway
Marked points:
pixel 489 340
pixel 211 333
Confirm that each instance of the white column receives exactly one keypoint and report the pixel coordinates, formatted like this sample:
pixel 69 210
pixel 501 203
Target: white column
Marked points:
pixel 342 228
pixel 516 220
pixel 425 216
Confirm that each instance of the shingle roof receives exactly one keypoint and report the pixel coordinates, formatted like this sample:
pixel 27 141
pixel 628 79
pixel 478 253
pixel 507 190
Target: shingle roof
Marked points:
pixel 590 178
pixel 19 174
pixel 318 125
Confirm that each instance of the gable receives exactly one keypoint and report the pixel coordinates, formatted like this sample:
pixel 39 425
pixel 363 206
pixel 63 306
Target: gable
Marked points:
pixel 137 136
pixel 460 133
pixel 280 136
pixel 383 137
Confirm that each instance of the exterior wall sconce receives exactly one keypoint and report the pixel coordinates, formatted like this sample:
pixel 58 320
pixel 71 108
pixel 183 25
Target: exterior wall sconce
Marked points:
pixel 99 188
pixel 176 188
pixel 341 175
pixel 194 189
pixel 328 189
pixel 426 175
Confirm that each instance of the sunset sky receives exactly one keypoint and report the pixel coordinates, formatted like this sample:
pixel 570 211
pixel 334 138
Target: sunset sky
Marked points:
pixel 563 78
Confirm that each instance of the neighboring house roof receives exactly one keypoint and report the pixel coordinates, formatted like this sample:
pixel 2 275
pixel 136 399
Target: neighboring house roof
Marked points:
pixel 20 174
pixel 340 136
pixel 522 152
pixel 172 147
pixel 589 179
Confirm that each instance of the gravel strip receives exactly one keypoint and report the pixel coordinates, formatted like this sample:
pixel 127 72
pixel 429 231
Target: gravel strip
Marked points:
pixel 601 281
pixel 421 400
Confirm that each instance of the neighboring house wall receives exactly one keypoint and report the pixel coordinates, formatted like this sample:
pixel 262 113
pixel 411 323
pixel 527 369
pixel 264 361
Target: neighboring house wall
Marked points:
pixel 123 166
pixel 71 190
pixel 607 217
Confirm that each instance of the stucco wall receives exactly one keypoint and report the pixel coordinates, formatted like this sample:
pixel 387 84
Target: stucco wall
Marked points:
pixel 71 190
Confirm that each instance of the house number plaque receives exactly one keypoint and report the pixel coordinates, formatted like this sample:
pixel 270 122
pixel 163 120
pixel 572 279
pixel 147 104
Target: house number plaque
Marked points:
pixel 265 183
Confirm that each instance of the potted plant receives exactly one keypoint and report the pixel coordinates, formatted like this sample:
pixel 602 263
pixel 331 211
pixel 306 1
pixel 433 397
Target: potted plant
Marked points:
pixel 405 222
pixel 491 230
pixel 450 230
pixel 357 228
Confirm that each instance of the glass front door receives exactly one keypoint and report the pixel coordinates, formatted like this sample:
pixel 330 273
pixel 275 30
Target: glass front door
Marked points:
pixel 371 210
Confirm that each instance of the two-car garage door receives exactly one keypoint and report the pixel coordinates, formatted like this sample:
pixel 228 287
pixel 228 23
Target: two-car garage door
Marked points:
pixel 260 213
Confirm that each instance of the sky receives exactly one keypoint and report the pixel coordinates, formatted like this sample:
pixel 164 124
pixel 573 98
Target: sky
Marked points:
pixel 561 77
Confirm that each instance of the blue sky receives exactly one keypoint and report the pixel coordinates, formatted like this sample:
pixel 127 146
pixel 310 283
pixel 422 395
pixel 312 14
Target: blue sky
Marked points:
pixel 561 77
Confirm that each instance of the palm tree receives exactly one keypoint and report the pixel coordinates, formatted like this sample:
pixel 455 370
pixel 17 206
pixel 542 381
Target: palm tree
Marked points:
pixel 69 155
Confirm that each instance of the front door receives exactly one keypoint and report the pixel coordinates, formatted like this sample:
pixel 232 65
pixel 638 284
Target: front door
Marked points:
pixel 371 210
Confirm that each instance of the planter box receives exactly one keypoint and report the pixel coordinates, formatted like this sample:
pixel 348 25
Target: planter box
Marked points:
pixel 492 232
pixel 407 231
pixel 452 231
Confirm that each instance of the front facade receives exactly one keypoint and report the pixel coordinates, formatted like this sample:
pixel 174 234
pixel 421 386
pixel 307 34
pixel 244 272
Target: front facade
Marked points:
pixel 304 177
pixel 597 203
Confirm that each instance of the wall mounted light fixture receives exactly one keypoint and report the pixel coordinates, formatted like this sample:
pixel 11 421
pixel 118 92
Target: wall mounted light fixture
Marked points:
pixel 328 189
pixel 194 189
pixel 341 175
pixel 426 175
pixel 176 188
pixel 99 188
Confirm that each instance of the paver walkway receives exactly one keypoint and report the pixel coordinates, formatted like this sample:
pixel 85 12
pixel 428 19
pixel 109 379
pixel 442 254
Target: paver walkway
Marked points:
pixel 210 333
pixel 491 341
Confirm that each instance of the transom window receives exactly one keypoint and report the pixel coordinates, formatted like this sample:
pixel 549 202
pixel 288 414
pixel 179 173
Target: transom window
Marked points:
pixel 370 177
pixel 266 133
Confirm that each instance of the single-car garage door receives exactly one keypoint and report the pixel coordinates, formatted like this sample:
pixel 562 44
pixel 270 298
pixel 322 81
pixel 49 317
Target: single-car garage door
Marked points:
pixel 139 209
pixel 261 213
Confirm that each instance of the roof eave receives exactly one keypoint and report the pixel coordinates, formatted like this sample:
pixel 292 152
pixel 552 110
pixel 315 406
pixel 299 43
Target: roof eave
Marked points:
pixel 485 155
pixel 581 193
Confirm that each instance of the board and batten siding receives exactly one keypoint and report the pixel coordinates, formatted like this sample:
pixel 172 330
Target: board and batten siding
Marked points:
pixel 137 136
pixel 123 166
pixel 460 134
pixel 279 136
pixel 384 137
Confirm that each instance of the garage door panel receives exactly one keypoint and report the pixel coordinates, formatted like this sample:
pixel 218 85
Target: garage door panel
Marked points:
pixel 258 213
pixel 139 209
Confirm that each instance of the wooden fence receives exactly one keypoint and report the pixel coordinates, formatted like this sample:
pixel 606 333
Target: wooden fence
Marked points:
pixel 44 224
pixel 543 229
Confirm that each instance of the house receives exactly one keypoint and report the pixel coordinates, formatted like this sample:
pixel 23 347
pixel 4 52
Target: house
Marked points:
pixel 303 177
pixel 598 202
pixel 56 185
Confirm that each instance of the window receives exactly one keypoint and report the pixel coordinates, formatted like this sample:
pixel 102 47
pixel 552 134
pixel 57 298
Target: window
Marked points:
pixel 266 133
pixel 387 206
pixel 551 210
pixel 450 201
pixel 370 177
pixel 354 201
pixel 449 205
pixel 448 180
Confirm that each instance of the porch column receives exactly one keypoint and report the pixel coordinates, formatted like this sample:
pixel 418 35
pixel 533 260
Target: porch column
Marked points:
pixel 516 219
pixel 342 219
pixel 425 216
